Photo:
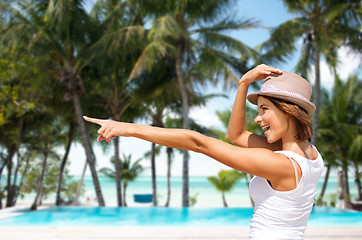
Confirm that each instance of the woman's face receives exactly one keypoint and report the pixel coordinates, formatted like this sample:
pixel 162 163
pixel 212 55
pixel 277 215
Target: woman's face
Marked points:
pixel 273 121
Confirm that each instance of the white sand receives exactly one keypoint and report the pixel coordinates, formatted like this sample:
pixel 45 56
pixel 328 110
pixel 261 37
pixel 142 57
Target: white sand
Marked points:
pixel 124 233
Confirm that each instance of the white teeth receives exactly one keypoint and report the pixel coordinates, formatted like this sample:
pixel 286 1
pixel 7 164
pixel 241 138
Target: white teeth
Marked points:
pixel 266 128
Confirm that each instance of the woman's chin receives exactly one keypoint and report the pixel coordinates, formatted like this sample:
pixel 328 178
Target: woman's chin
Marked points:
pixel 271 140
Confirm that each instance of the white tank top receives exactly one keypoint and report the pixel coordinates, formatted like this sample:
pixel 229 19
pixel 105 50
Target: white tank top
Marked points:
pixel 284 215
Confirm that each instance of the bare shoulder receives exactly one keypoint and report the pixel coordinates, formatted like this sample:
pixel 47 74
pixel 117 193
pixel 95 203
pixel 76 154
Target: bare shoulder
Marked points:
pixel 261 162
pixel 308 151
pixel 311 153
pixel 252 140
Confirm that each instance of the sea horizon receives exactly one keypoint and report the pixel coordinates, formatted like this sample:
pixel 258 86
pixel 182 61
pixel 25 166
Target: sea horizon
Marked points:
pixel 206 194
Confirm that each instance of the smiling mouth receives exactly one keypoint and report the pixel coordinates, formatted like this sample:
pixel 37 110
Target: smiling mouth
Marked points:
pixel 266 128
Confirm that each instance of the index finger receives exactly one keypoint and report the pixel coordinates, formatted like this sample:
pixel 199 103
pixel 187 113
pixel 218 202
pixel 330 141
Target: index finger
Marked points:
pixel 93 120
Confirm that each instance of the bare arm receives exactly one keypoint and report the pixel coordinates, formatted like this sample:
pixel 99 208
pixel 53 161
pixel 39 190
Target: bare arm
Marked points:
pixel 259 162
pixel 237 132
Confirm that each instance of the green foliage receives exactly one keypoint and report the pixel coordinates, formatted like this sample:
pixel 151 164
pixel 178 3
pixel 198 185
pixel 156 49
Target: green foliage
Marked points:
pixel 225 180
pixel 332 198
pixel 2 193
pixel 224 117
pixel 129 170
pixel 20 77
pixel 320 202
pixel 50 180
pixel 340 116
pixel 322 25
pixel 193 199
pixel 340 126
pixel 207 54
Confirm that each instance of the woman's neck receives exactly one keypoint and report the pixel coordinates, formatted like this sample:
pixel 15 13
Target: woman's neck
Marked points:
pixel 295 145
pixel 303 148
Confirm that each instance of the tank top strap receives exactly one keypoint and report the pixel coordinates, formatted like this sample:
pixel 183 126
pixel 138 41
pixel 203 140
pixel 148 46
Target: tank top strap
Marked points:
pixel 295 170
pixel 296 161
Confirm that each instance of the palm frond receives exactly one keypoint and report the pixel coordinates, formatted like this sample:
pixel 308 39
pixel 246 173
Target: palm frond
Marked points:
pixel 282 41
pixel 229 23
pixel 215 182
pixel 155 50
pixel 306 60
pixel 165 27
pixel 215 65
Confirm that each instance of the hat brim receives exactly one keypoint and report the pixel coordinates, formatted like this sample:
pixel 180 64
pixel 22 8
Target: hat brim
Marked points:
pixel 309 107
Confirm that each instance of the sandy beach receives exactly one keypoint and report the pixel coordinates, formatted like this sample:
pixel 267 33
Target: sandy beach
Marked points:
pixel 124 233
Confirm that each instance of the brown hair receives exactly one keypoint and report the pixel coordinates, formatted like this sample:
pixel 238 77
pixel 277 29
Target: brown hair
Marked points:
pixel 298 115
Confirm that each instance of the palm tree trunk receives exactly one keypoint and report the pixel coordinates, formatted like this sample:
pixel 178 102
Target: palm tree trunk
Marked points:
pixel 346 193
pixel 15 187
pixel 88 148
pixel 1 171
pixel 124 192
pixel 2 168
pixel 34 206
pixel 153 170
pixel 316 95
pixel 340 184
pixel 324 187
pixel 169 153
pixel 26 168
pixel 64 162
pixel 185 115
pixel 224 200
pixel 117 166
pixel 40 199
pixel 9 161
pixel 358 182
pixel 80 184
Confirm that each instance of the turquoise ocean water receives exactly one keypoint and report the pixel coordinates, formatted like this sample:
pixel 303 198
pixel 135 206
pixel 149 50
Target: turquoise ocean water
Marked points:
pixel 207 196
pixel 160 216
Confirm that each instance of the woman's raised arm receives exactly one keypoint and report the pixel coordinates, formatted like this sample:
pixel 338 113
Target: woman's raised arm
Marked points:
pixel 259 162
pixel 237 132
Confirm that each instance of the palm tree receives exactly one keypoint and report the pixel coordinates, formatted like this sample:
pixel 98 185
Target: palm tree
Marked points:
pixel 169 163
pixel 129 172
pixel 323 26
pixel 329 154
pixel 224 182
pixel 63 29
pixel 342 127
pixel 43 139
pixel 22 82
pixel 356 150
pixel 356 156
pixel 190 32
pixel 71 130
pixel 224 117
pixel 115 54
pixel 160 98
pixel 69 134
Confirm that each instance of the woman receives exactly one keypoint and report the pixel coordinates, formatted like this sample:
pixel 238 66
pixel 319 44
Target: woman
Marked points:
pixel 285 165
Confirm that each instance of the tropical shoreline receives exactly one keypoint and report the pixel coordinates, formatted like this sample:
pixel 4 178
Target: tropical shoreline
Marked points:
pixel 207 196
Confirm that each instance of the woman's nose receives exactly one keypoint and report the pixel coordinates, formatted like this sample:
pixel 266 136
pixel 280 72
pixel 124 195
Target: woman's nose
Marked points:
pixel 258 119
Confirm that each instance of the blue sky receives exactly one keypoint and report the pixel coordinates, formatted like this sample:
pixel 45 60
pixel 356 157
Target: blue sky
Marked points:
pixel 271 13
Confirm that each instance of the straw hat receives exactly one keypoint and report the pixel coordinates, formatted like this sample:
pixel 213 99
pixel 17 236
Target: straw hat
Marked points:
pixel 286 86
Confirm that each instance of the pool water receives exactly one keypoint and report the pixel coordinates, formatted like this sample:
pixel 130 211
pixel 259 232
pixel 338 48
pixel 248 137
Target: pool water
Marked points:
pixel 150 216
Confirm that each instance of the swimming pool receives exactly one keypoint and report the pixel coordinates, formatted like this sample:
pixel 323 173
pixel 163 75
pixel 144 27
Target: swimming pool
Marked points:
pixel 150 216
